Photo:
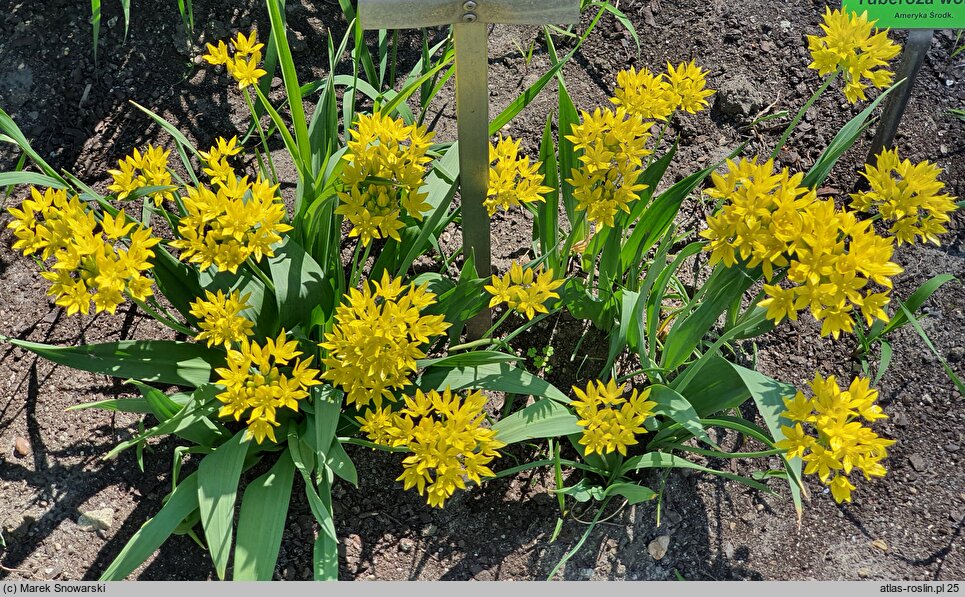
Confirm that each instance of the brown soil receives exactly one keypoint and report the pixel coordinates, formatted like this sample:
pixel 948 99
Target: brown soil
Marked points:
pixel 905 526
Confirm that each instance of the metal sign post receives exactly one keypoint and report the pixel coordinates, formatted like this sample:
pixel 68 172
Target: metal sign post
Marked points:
pixel 470 19
pixel 912 58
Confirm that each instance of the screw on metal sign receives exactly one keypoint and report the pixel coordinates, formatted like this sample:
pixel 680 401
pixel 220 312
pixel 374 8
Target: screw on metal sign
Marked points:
pixel 469 20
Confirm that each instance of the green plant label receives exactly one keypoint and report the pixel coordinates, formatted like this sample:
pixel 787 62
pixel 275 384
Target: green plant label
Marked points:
pixel 911 14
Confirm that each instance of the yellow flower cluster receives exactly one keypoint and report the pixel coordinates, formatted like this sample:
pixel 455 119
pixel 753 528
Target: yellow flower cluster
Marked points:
pixel 512 179
pixel 769 220
pixel 378 336
pixel 657 96
pixel 445 435
pixel 217 168
pixel 242 64
pixel 220 318
pixel 907 195
pixel 848 45
pixel 386 165
pixel 612 145
pixel 523 290
pixel 841 443
pixel 242 219
pixel 254 383
pixel 138 170
pixel 87 257
pixel 610 420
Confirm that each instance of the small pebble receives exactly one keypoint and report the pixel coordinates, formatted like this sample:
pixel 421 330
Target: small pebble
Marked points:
pixel 21 447
pixel 658 547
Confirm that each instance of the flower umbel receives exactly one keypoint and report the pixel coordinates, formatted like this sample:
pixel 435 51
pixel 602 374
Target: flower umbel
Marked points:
pixel 840 443
pixel 254 383
pixel 242 65
pixel 769 220
pixel 610 420
pixel 849 45
pixel 138 170
pixel 382 179
pixel 906 195
pixel 378 336
pixel 445 435
pixel 90 261
pixel 612 146
pixel 525 291
pixel 512 179
pixel 220 318
pixel 242 219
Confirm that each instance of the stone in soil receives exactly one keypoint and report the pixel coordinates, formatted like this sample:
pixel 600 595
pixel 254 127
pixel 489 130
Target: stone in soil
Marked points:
pixel 658 547
pixel 96 520
pixel 739 99
pixel 21 447
pixel 917 462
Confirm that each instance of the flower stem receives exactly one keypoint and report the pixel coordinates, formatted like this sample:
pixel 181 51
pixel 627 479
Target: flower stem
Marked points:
pixel 261 134
pixel 800 114
pixel 177 327
pixel 261 275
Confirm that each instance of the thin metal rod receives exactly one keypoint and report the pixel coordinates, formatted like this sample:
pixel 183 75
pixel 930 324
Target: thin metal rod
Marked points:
pixel 472 124
pixel 912 58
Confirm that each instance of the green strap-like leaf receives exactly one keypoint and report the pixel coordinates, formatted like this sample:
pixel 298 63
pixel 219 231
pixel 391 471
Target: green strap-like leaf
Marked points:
pixel 153 361
pixel 300 284
pixel 662 460
pixel 634 492
pixel 544 418
pixel 842 142
pixel 261 522
pixel 497 377
pixel 768 395
pixel 675 406
pixel 218 476
pixel 181 503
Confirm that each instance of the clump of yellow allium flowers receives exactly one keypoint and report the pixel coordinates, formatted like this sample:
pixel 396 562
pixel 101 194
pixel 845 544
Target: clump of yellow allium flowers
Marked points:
pixel 445 436
pixel 612 145
pixel 216 165
pixel 93 261
pixel 907 195
pixel 139 170
pixel 220 318
pixel 524 290
pixel 512 178
pixel 378 336
pixel 254 383
pixel 610 420
pixel 223 228
pixel 383 176
pixel 613 142
pixel 658 96
pixel 828 435
pixel 831 256
pixel 242 63
pixel 849 45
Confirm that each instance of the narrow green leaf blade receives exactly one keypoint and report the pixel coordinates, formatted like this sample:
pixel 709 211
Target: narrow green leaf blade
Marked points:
pixel 218 476
pixel 497 377
pixel 544 418
pixel 152 361
pixel 181 503
pixel 261 522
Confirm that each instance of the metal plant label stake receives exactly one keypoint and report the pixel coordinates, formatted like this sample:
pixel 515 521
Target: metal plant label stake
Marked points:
pixel 470 19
